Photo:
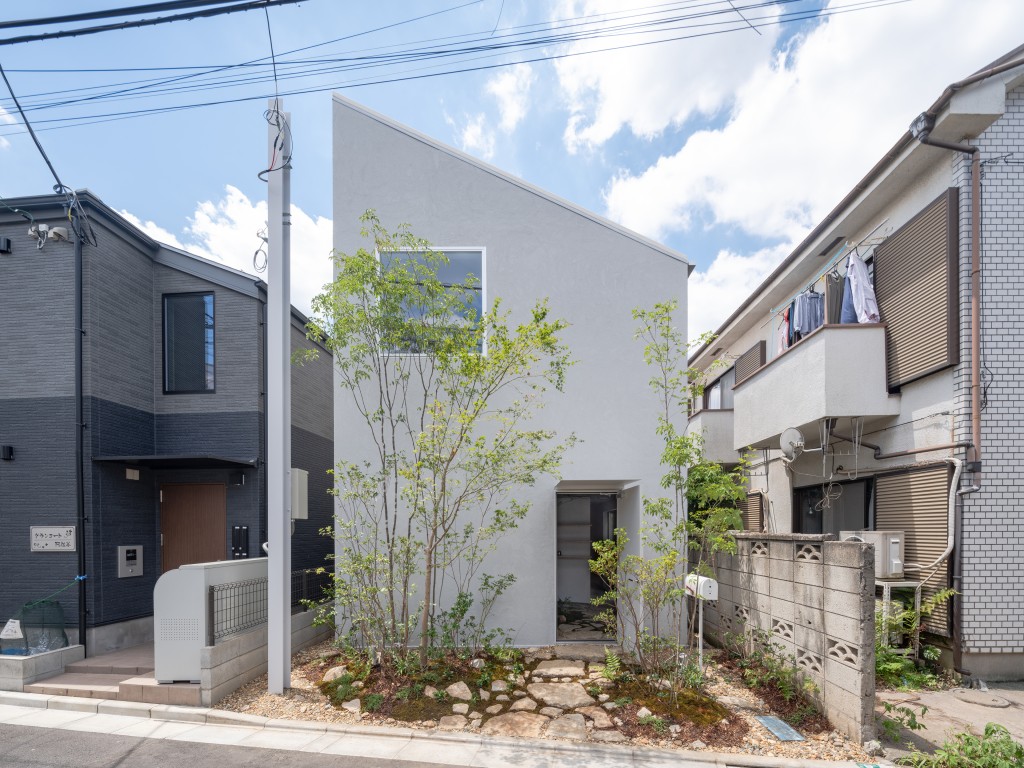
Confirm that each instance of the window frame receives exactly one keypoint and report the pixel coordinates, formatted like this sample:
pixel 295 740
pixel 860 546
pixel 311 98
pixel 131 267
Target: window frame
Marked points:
pixel 869 494
pixel 164 347
pixel 445 250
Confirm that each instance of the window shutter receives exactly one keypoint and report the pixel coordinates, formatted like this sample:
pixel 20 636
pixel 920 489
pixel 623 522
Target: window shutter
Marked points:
pixel 750 361
pixel 753 512
pixel 917 503
pixel 916 286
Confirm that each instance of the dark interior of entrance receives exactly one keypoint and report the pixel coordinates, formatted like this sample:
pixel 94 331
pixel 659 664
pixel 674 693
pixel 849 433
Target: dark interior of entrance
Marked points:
pixel 582 519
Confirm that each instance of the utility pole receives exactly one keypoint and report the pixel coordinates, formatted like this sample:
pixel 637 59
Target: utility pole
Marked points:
pixel 279 413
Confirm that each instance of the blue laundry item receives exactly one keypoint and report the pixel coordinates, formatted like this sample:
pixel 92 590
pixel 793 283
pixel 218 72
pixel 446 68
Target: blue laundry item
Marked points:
pixel 849 314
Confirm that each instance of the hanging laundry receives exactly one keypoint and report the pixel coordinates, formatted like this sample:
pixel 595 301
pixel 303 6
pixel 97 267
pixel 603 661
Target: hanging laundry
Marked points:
pixel 808 313
pixel 834 287
pixel 849 313
pixel 783 331
pixel 862 293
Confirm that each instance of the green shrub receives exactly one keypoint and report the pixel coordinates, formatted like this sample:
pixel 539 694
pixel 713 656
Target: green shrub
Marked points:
pixel 996 749
pixel 655 722
pixel 372 702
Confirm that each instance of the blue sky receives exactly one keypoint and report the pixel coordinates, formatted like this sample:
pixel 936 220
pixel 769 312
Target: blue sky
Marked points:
pixel 726 147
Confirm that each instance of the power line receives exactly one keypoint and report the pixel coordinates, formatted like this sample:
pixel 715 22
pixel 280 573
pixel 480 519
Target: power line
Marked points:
pixel 489 52
pixel 577 32
pixel 60 184
pixel 244 6
pixel 111 13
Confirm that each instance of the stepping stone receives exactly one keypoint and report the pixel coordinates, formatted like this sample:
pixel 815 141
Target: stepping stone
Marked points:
pixel 452 723
pixel 551 711
pixel 494 709
pixel 501 697
pixel 564 695
pixel 598 715
pixel 461 708
pixel 524 725
pixel 499 686
pixel 459 690
pixel 560 668
pixel 527 704
pixel 484 695
pixel 352 706
pixel 568 727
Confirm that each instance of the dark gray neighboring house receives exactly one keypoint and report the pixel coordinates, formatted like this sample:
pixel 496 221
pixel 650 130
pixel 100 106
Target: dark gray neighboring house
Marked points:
pixel 172 387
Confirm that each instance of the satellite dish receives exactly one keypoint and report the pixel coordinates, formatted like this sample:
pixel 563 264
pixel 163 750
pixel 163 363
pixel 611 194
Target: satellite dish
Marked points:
pixel 792 443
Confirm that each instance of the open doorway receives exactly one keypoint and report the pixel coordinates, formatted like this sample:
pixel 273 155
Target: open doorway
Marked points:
pixel 581 519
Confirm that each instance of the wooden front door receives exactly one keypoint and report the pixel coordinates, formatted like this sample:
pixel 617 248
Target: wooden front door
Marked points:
pixel 193 524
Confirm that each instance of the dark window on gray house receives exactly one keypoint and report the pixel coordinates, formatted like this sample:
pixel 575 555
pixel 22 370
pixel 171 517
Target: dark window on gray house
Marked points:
pixel 188 343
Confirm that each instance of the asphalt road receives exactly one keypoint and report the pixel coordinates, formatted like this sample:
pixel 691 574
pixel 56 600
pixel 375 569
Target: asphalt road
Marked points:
pixel 29 747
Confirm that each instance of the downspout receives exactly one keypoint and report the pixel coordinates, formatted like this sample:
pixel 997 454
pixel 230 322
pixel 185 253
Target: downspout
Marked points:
pixel 80 444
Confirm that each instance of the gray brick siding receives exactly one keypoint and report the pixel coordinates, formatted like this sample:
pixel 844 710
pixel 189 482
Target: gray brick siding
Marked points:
pixel 993 518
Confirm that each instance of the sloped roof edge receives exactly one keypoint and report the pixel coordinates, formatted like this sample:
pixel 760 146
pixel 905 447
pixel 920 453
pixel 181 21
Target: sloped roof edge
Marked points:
pixel 514 180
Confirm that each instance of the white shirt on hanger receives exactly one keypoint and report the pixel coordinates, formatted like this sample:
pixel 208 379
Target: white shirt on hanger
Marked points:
pixel 862 291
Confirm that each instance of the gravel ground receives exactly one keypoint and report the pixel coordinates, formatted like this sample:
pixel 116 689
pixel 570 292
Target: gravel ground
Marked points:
pixel 304 701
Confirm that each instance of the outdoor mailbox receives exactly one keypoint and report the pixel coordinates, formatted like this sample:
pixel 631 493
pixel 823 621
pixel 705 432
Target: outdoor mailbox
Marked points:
pixel 701 586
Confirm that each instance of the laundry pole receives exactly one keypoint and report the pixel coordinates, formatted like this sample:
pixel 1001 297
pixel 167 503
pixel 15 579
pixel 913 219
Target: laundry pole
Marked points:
pixel 278 404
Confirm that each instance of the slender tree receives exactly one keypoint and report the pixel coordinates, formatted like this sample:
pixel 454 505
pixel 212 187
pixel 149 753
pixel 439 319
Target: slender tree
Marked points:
pixel 449 394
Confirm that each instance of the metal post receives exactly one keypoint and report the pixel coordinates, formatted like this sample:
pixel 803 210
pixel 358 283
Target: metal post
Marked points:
pixel 700 635
pixel 278 402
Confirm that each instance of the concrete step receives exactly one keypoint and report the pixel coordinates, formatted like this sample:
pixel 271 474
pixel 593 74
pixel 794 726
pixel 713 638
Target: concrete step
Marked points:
pixel 149 691
pixel 85 685
pixel 93 685
pixel 101 666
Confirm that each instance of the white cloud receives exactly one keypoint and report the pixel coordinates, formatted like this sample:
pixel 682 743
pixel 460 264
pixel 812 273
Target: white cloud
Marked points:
pixel 226 231
pixel 511 87
pixel 473 136
pixel 652 87
pixel 5 119
pixel 714 293
pixel 808 123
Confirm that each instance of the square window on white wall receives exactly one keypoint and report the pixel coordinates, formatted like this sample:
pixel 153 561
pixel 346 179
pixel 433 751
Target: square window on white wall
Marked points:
pixel 460 273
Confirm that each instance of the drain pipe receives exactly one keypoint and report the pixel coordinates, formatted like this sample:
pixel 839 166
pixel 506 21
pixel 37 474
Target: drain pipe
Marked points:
pixel 80 442
pixel 921 129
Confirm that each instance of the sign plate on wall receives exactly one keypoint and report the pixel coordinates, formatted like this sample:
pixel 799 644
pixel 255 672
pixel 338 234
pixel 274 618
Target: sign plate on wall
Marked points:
pixel 52 538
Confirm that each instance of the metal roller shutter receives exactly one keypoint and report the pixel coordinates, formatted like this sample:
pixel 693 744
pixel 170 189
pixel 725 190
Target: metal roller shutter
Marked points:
pixel 747 363
pixel 916 284
pixel 917 503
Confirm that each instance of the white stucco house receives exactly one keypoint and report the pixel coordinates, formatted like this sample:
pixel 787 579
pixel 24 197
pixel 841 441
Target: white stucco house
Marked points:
pixel 528 244
pixel 909 418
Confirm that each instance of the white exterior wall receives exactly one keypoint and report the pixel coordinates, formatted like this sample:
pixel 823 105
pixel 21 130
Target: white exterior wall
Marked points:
pixel 593 274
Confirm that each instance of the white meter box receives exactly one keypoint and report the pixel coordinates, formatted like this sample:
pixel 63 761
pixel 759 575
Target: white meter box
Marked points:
pixel 702 587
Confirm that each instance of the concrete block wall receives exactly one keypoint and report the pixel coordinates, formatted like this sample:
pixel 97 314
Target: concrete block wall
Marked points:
pixel 812 598
pixel 18 671
pixel 238 660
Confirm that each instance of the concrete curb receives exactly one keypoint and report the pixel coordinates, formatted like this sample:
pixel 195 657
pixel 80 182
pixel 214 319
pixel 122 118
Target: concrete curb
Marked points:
pixel 202 716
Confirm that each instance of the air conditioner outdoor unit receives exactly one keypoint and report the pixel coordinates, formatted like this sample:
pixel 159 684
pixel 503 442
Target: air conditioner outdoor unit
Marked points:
pixel 888 550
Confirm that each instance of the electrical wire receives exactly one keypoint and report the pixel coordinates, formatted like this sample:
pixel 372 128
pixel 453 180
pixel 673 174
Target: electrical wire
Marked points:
pixel 425 53
pixel 111 13
pixel 245 6
pixel 789 18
